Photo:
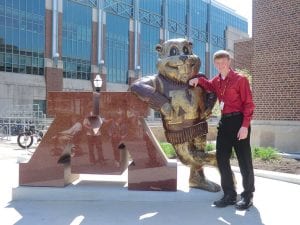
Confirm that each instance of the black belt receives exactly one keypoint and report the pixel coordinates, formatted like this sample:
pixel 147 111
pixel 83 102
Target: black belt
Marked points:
pixel 231 114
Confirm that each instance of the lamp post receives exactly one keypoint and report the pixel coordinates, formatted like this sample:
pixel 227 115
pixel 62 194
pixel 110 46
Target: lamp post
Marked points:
pixel 96 95
pixel 98 83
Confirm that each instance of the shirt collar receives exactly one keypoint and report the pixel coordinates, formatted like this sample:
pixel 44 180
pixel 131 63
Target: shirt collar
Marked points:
pixel 229 76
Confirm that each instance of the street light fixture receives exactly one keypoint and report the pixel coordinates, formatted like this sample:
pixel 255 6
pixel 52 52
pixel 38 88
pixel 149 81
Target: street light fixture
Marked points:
pixel 97 83
pixel 137 71
pixel 55 59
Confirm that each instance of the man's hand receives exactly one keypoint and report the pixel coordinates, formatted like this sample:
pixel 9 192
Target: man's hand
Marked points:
pixel 243 133
pixel 193 82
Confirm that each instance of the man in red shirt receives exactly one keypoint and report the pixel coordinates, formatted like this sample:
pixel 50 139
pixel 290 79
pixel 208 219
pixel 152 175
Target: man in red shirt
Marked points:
pixel 235 98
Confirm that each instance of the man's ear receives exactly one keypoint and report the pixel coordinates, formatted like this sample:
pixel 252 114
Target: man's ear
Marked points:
pixel 158 48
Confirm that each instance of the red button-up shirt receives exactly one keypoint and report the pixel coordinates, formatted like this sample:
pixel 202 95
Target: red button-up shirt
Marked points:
pixel 234 91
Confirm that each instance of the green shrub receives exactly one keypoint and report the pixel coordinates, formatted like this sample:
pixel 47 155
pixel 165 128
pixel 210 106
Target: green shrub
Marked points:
pixel 168 149
pixel 210 147
pixel 265 153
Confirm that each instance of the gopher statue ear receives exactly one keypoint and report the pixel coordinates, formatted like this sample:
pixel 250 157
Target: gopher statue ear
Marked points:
pixel 158 48
pixel 190 44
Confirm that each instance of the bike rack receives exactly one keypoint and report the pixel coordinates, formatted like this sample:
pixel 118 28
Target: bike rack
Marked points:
pixel 17 117
pixel 3 132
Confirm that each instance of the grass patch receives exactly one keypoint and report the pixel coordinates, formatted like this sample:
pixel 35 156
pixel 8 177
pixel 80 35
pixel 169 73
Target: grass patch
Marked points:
pixel 168 149
pixel 262 153
pixel 210 147
pixel 265 153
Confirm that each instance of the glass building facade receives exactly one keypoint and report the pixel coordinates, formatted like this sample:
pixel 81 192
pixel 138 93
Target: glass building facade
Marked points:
pixel 22 36
pixel 149 35
pixel 150 17
pixel 117 45
pixel 76 40
pixel 22 33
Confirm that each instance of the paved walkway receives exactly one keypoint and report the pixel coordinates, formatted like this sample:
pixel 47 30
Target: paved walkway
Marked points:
pixel 105 200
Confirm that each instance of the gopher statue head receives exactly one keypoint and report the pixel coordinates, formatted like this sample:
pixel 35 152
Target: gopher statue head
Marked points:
pixel 176 60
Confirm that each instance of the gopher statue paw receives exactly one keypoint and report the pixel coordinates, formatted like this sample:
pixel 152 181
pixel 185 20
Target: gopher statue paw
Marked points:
pixel 202 157
pixel 198 180
pixel 204 185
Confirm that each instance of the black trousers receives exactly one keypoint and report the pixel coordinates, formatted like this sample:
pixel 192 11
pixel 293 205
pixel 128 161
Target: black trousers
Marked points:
pixel 226 140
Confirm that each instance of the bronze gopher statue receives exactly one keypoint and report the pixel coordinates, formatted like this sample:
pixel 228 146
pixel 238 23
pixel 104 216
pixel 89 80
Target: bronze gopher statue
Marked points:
pixel 184 109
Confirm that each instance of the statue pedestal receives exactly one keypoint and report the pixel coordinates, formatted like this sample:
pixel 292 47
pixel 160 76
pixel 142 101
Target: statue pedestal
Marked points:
pixel 114 188
pixel 76 144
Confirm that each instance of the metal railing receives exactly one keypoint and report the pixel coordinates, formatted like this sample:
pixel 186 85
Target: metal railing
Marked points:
pixel 16 118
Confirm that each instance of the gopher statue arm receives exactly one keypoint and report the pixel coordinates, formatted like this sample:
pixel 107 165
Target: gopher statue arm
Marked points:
pixel 144 88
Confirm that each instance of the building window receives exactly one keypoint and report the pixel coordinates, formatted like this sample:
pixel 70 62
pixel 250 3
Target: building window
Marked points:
pixel 177 10
pixel 39 108
pixel 149 39
pixel 117 49
pixel 77 40
pixel 22 36
pixel 151 6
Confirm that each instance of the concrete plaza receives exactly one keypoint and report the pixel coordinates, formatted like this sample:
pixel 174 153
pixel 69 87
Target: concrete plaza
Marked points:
pixel 105 200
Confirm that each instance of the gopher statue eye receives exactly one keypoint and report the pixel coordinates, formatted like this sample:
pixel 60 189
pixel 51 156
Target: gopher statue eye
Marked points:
pixel 185 50
pixel 173 51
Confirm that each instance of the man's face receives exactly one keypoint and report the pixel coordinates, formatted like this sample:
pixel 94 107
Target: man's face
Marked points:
pixel 222 65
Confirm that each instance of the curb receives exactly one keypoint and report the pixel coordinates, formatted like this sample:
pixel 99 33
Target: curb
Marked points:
pixel 295 156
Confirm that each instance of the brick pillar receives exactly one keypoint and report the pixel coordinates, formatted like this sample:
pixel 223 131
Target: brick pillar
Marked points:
pixel 53 70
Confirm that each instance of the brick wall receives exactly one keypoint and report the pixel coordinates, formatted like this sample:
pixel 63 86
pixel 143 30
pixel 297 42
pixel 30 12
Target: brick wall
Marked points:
pixel 243 53
pixel 276 59
pixel 54 79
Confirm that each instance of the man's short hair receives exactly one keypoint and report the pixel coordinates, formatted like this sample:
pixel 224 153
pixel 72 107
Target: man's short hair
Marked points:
pixel 221 54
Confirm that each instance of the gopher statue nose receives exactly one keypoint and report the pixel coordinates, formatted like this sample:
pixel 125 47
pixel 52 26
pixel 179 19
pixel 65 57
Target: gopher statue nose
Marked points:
pixel 183 57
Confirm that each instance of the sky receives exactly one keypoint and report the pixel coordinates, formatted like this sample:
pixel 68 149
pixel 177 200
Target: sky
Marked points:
pixel 243 8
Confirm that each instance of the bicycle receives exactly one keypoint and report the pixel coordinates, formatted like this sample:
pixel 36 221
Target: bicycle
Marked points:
pixel 25 139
